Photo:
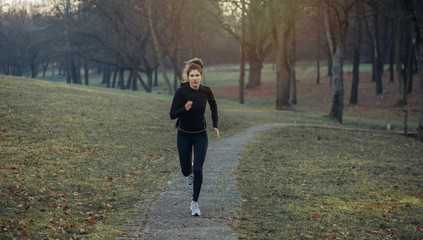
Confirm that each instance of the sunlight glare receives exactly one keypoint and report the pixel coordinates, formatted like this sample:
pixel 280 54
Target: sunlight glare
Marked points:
pixel 19 1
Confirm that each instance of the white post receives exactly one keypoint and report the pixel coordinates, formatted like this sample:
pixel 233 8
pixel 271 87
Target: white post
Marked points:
pixel 388 124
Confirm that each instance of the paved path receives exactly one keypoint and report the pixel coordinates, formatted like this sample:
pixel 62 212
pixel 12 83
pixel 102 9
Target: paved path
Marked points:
pixel 169 217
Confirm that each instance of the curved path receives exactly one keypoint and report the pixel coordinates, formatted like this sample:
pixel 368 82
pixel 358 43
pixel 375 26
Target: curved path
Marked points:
pixel 169 216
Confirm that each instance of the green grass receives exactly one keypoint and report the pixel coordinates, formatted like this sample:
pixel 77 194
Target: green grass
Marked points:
pixel 75 159
pixel 327 183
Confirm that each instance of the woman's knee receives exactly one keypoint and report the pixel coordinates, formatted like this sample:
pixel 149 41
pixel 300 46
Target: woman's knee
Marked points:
pixel 198 172
pixel 186 172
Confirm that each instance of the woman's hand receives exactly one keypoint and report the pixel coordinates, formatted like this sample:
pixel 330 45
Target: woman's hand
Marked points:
pixel 188 105
pixel 217 133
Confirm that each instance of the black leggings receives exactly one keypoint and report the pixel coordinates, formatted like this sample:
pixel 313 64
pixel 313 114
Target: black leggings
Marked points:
pixel 185 143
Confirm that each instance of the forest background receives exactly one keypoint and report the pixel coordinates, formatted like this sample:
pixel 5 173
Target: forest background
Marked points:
pixel 77 156
pixel 129 42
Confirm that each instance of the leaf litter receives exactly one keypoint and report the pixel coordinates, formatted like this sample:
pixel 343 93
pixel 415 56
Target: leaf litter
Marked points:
pixel 317 182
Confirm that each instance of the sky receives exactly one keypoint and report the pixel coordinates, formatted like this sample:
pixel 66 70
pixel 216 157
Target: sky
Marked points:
pixel 5 4
pixel 16 1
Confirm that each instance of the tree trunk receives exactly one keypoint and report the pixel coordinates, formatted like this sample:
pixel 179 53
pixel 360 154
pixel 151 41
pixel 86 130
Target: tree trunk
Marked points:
pixel 68 74
pixel 376 52
pixel 318 67
pixel 177 71
pixel 159 53
pixel 115 74
pixel 282 73
pixel 329 63
pixel 150 79
pixel 419 53
pixel 281 45
pixel 338 85
pixel 404 72
pixel 121 83
pixel 242 56
pixel 336 32
pixel 418 36
pixel 73 72
pixel 356 56
pixel 282 82
pixel 45 66
pixel 129 81
pixel 409 68
pixel 34 70
pixel 107 73
pixel 156 73
pixel 420 125
pixel 241 74
pixel 398 65
pixel 78 71
pixel 391 63
pixel 86 72
pixel 256 66
pixel 148 88
pixel 134 81
pixel 292 60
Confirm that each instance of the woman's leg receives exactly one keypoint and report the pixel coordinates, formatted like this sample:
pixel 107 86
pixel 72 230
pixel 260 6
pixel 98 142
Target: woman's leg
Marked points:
pixel 200 150
pixel 184 143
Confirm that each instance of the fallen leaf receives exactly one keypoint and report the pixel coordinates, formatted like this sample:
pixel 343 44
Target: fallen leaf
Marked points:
pixel 375 232
pixel 330 236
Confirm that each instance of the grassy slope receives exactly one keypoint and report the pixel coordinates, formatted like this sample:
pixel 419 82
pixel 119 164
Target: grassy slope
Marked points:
pixel 318 183
pixel 74 160
pixel 327 183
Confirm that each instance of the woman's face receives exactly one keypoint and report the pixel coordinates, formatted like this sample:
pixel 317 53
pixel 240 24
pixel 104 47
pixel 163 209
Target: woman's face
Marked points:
pixel 194 79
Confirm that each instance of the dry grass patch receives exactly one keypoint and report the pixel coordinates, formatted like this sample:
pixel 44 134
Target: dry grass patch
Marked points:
pixel 318 183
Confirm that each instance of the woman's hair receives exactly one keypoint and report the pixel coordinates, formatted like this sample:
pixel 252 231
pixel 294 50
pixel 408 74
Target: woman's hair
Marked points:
pixel 193 64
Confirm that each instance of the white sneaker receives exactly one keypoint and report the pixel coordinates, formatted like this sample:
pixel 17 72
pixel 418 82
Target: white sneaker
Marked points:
pixel 190 179
pixel 195 209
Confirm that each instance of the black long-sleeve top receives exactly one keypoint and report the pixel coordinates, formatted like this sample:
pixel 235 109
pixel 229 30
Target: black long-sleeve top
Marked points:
pixel 193 121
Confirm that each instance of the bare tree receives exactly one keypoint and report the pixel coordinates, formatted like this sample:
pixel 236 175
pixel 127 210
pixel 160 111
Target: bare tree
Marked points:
pixel 24 41
pixel 357 52
pixel 116 35
pixel 337 22
pixel 414 11
pixel 402 43
pixel 157 46
pixel 374 33
pixel 180 24
pixel 281 17
pixel 242 55
pixel 258 43
pixel 292 49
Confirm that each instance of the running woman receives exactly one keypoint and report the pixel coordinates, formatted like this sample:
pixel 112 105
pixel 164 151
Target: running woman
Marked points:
pixel 188 106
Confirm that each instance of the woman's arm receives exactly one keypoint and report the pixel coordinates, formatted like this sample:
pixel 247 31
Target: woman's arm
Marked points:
pixel 177 109
pixel 213 109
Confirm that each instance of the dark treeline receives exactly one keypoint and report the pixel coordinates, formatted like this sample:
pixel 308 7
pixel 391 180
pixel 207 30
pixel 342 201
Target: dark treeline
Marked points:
pixel 129 41
pixel 112 38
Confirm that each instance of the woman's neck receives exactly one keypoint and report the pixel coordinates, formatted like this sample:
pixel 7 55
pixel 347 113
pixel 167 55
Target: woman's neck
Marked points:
pixel 195 88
